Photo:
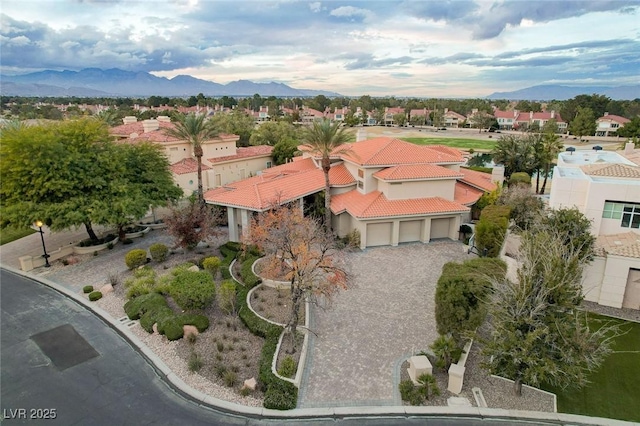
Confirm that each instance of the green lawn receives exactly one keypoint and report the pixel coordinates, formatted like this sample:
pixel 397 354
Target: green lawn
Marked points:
pixel 460 143
pixel 9 234
pixel 613 391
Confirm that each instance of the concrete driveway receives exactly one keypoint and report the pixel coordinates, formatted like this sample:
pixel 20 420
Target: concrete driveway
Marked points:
pixel 371 328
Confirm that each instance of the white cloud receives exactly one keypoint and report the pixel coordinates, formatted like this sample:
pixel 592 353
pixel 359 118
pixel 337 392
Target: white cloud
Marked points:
pixel 315 6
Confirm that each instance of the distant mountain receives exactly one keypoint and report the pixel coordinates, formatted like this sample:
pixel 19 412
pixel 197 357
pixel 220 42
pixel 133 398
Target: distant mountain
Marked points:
pixel 116 82
pixel 560 93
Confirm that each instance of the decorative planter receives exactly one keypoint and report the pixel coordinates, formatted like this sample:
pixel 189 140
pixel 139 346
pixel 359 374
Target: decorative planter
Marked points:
pixel 91 249
pixel 139 233
pixel 154 225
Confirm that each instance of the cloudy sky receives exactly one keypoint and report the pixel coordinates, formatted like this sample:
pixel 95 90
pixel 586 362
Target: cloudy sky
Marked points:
pixel 405 48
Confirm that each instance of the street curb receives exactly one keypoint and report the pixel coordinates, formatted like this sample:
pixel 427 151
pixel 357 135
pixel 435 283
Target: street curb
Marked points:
pixel 206 401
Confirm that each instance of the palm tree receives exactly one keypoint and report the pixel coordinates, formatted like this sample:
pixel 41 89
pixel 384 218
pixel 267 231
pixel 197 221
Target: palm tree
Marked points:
pixel 515 153
pixel 194 129
pixel 551 147
pixel 325 139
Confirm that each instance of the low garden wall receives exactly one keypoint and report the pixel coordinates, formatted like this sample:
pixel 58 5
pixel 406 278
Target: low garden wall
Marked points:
pixel 456 371
pixel 28 263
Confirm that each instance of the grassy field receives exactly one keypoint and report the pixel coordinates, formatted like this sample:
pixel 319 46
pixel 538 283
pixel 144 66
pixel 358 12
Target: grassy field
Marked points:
pixel 454 143
pixel 613 391
pixel 10 234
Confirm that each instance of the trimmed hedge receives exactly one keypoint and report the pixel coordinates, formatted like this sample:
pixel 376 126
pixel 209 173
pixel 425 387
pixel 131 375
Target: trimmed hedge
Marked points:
pixel 211 264
pixel 136 307
pixel 95 295
pixel 279 394
pixel 229 252
pixel 250 279
pixel 193 290
pixel 159 252
pixel 87 289
pixel 491 229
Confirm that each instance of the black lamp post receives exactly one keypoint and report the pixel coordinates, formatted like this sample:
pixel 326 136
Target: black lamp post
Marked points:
pixel 45 255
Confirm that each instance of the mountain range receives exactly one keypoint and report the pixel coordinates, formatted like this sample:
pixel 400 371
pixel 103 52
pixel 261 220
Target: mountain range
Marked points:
pixel 95 82
pixel 561 93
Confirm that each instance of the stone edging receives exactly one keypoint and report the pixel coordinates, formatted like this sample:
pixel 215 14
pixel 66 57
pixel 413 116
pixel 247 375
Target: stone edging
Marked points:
pixel 257 314
pixel 309 413
pixel 139 233
pixel 91 249
pixel 266 281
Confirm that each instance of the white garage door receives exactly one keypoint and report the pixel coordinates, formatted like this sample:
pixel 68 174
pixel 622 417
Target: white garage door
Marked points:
pixel 410 231
pixel 440 228
pixel 632 292
pixel 379 234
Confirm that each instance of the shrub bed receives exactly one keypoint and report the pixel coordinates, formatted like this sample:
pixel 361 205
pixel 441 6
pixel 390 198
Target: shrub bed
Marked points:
pixel 135 258
pixel 159 252
pixel 492 229
pixel 193 290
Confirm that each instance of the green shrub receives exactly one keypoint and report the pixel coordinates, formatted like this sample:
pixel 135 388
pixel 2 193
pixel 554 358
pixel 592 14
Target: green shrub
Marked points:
pixel 287 367
pixel 171 327
pixel 227 297
pixel 195 362
pixel 159 252
pixel 135 307
pixel 201 322
pixel 143 282
pixel 230 378
pixel 490 236
pixel 135 258
pixel 193 290
pixel 245 391
pixel 281 395
pixel 519 178
pixel 495 212
pixel 211 264
pixel 87 289
pixel 446 351
pixel 95 295
pixel 220 370
pixel 416 395
pixel 229 250
pixel 155 316
pixel 250 279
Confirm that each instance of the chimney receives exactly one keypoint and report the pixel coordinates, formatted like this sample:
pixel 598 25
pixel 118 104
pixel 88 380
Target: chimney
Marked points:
pixel 515 113
pixel 497 175
pixel 629 147
pixel 150 125
pixel 553 114
pixel 446 110
pixel 129 119
pixel 530 115
pixel 606 113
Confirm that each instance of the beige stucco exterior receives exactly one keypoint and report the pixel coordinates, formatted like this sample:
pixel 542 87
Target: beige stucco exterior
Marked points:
pixel 444 188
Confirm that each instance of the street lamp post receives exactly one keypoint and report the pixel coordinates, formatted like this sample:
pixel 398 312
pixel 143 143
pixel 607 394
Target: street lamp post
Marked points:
pixel 45 255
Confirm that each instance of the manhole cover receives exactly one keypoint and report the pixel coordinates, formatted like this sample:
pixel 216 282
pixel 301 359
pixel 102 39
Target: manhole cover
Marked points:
pixel 64 346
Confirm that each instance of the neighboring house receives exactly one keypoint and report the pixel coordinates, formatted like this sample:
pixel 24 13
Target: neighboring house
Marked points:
pixel 261 115
pixel 222 162
pixel 391 191
pixel 516 120
pixel 605 186
pixel 609 124
pixel 309 115
pixel 420 116
pixel 389 113
pixel 453 119
pixel 338 115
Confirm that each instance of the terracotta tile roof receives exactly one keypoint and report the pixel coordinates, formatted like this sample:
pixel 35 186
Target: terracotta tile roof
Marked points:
pixel 416 172
pixel 612 170
pixel 478 179
pixel 467 195
pixel 386 151
pixel 454 114
pixel 137 127
pixel 504 114
pixel 625 245
pixel 186 165
pixel 279 184
pixel 522 116
pixel 375 204
pixel 612 117
pixel 246 152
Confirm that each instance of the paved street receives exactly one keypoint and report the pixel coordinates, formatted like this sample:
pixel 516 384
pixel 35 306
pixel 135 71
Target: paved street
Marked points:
pixel 371 328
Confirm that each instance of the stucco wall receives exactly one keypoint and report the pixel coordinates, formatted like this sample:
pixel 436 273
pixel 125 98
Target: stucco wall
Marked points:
pixel 419 189
pixel 592 279
pixel 177 151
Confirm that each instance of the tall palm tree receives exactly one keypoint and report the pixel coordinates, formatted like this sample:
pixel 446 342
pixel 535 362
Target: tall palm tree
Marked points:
pixel 324 139
pixel 195 129
pixel 551 147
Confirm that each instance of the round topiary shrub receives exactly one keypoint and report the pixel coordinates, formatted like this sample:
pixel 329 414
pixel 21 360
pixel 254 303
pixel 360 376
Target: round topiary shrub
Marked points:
pixel 95 295
pixel 211 264
pixel 87 289
pixel 159 252
pixel 135 258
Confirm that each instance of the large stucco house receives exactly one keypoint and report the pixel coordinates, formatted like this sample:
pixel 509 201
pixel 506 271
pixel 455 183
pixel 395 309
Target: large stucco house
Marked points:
pixel 391 191
pixel 222 162
pixel 605 186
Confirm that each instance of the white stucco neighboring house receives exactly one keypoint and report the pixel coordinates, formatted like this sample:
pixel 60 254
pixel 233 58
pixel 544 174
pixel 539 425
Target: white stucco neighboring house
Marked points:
pixel 605 186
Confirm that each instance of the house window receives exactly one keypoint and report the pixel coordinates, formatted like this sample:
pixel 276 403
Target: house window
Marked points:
pixel 268 164
pixel 360 173
pixel 628 212
pixel 173 149
pixel 360 184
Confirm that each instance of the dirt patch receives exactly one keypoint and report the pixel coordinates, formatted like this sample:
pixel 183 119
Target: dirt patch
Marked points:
pixel 274 304
pixel 286 350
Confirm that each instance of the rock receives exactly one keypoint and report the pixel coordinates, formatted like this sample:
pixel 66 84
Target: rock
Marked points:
pixel 250 384
pixel 155 328
pixel 189 329
pixel 105 289
pixel 193 268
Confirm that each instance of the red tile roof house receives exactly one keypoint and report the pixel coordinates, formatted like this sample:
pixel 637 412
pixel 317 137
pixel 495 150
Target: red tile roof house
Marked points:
pixel 222 162
pixel 609 123
pixel 453 119
pixel 390 112
pixel 391 191
pixel 516 120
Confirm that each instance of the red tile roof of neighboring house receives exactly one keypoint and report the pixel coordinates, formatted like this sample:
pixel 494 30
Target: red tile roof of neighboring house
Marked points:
pixel 247 152
pixel 417 172
pixel 394 110
pixel 279 184
pixel 386 151
pixel 522 116
pixel 137 127
pixel 478 179
pixel 612 117
pixel 504 114
pixel 186 165
pixel 422 111
pixel 454 114
pixel 375 204
pixel 466 194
